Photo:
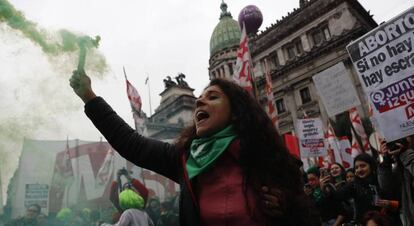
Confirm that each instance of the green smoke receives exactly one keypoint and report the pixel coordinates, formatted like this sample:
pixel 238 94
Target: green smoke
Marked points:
pixel 34 100
pixel 68 41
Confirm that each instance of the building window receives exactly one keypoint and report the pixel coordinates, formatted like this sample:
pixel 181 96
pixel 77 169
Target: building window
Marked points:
pixel 320 34
pixel 294 48
pixel 275 60
pixel 290 51
pixel 305 95
pixel 280 106
pixel 298 46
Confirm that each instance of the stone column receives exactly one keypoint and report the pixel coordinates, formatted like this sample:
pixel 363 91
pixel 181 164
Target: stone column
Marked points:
pixel 226 71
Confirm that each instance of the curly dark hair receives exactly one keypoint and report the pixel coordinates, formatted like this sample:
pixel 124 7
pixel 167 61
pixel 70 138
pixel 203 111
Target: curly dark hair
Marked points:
pixel 377 218
pixel 264 159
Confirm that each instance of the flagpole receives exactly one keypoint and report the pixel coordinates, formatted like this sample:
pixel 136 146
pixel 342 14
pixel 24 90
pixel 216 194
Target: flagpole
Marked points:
pixel 149 93
pixel 123 68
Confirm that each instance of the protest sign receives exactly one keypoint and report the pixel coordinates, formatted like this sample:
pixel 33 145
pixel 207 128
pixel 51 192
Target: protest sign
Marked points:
pixel 36 194
pixel 384 61
pixel 336 90
pixel 311 138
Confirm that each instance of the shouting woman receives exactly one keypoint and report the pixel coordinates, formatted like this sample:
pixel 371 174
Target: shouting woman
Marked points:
pixel 230 163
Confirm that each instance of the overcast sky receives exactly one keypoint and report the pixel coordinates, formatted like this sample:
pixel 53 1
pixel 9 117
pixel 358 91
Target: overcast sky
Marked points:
pixel 149 38
pixel 157 38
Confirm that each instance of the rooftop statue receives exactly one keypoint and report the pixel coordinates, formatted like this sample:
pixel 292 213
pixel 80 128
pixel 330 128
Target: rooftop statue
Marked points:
pixel 168 82
pixel 180 80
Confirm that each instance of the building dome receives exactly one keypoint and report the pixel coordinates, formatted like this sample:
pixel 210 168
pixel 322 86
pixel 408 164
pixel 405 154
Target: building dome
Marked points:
pixel 226 33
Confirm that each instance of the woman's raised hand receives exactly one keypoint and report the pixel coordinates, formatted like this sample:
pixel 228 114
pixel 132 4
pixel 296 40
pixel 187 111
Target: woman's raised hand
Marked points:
pixel 81 85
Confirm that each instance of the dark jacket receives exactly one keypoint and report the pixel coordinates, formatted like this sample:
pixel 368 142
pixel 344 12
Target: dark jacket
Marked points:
pixel 363 193
pixel 160 157
pixel 405 185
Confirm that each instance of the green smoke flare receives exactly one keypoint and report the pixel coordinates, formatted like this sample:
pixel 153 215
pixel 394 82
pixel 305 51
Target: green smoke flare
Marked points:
pixel 69 41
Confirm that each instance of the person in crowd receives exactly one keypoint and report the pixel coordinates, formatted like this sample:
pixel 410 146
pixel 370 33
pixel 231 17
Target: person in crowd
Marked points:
pixel 132 205
pixel 29 219
pixel 95 218
pixel 131 183
pixel 230 152
pixel 154 208
pixel 337 172
pixel 338 180
pixel 42 220
pixel 375 218
pixel 404 156
pixel 331 212
pixel 168 217
pixel 364 190
pixel 65 217
pixel 350 175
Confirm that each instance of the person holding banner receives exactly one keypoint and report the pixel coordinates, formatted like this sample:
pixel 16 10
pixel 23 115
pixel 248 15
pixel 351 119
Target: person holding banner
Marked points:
pixel 404 156
pixel 230 163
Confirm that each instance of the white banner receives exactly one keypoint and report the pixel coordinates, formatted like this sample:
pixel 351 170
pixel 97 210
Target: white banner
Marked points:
pixel 384 60
pixel 336 90
pixel 311 138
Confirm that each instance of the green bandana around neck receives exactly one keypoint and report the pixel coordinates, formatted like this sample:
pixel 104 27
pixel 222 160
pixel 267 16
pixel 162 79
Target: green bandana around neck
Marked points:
pixel 204 151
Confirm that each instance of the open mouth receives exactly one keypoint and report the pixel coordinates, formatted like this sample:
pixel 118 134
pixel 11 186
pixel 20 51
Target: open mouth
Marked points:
pixel 201 116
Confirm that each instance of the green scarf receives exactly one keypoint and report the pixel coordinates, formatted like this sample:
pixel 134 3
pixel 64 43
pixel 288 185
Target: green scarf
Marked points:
pixel 205 151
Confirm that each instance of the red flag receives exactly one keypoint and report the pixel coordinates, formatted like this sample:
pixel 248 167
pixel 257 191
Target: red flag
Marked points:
pixel 355 148
pixel 134 97
pixel 292 145
pixel 242 74
pixel 271 110
pixel 136 104
pixel 106 170
pixel 357 124
pixel 333 144
pixel 66 169
pixel 346 152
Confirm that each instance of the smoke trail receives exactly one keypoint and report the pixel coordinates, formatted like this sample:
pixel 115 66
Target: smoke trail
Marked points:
pixel 52 43
pixel 36 100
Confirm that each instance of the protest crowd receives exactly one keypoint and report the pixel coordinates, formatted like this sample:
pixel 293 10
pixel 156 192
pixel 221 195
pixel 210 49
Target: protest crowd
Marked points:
pixel 373 192
pixel 233 167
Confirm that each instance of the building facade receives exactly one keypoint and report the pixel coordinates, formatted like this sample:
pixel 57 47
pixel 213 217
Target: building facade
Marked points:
pixel 175 111
pixel 310 39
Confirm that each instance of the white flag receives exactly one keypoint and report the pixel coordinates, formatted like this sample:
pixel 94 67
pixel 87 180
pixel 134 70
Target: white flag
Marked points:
pixel 359 128
pixel 106 170
pixel 333 143
pixel 271 109
pixel 346 152
pixel 136 104
pixel 242 74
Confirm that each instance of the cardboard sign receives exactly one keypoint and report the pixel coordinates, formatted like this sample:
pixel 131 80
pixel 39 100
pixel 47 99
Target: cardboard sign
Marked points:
pixel 311 138
pixel 384 61
pixel 336 90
